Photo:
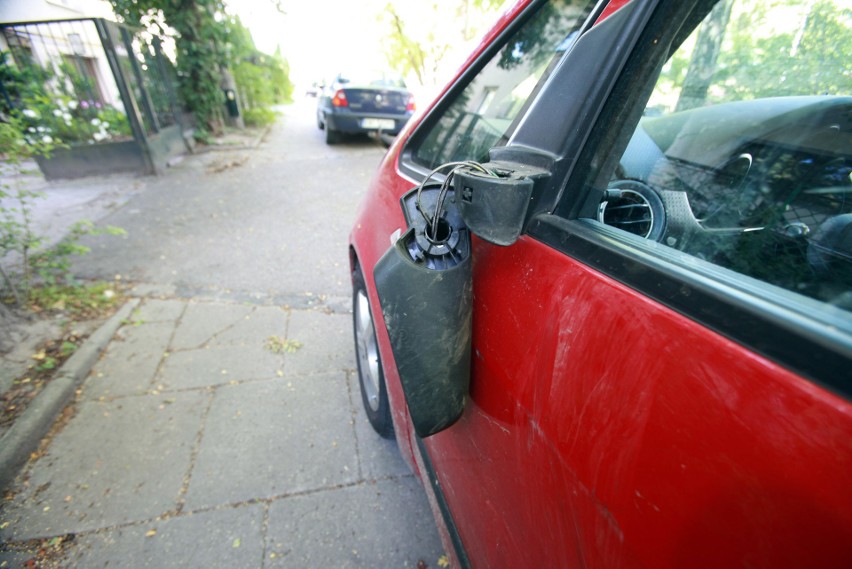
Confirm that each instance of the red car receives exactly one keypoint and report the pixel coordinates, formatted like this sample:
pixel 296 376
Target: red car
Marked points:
pixel 603 288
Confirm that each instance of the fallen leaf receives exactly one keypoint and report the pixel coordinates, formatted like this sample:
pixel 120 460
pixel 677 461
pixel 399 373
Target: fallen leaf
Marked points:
pixel 280 345
pixel 443 561
pixel 237 542
pixel 151 533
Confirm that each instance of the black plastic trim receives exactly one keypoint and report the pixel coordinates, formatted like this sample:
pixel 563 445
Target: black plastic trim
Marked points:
pixel 449 523
pixel 576 93
pixel 800 334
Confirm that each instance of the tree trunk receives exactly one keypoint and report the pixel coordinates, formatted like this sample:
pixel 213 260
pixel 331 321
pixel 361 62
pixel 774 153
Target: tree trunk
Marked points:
pixel 708 45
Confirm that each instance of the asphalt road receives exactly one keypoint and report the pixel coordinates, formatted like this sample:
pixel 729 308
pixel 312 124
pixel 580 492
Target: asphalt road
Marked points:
pixel 223 426
pixel 269 221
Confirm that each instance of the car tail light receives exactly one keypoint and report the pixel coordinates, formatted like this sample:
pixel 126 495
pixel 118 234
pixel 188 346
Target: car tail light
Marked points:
pixel 339 99
pixel 411 106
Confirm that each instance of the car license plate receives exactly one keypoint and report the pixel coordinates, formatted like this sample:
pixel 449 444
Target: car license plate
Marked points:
pixel 378 124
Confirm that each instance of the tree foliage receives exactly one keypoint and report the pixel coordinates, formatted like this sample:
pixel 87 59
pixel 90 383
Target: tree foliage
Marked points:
pixel 752 63
pixel 262 79
pixel 208 41
pixel 199 41
pixel 801 61
pixel 420 36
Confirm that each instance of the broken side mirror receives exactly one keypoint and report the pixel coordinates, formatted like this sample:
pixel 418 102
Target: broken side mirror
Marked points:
pixel 425 289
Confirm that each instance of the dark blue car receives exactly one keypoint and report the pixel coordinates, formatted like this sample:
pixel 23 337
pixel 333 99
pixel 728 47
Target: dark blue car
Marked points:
pixel 363 103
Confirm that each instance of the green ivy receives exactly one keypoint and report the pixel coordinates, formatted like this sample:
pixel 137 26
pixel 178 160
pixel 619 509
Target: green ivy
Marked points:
pixel 207 41
pixel 199 42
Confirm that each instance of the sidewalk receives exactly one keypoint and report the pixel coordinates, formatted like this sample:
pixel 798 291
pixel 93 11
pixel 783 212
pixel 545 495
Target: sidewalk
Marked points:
pixel 194 444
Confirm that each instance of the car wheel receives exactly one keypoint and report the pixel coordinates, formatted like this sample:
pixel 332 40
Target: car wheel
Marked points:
pixel 332 136
pixel 371 376
pixel 320 124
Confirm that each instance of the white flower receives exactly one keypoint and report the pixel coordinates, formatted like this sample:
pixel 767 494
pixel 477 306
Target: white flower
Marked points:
pixel 72 105
pixel 40 128
pixel 57 113
pixel 30 113
pixel 66 116
pixel 31 129
pixel 105 125
pixel 46 139
pixel 96 121
pixel 99 136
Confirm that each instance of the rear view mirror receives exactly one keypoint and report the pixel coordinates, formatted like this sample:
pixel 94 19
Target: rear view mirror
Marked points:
pixel 493 206
pixel 425 289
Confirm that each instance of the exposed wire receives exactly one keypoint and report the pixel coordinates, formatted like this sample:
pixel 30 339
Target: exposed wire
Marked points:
pixel 432 223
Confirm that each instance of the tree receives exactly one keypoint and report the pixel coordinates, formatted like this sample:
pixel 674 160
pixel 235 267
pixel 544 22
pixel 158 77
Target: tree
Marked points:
pixel 199 42
pixel 699 75
pixel 420 36
pixel 262 79
pixel 736 59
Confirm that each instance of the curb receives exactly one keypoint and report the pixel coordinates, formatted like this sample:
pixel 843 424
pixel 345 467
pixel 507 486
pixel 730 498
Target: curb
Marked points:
pixel 254 143
pixel 25 435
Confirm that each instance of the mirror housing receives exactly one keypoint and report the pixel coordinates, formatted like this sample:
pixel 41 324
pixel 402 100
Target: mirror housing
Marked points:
pixel 425 289
pixel 494 208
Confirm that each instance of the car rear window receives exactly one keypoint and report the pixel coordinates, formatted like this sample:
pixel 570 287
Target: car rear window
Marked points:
pixel 370 79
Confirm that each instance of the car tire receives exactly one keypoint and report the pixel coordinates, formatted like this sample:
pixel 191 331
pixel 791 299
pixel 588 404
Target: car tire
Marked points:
pixel 371 376
pixel 332 136
pixel 320 124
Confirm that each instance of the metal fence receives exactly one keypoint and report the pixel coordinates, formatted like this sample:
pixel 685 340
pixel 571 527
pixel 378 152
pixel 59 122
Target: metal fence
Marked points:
pixel 104 91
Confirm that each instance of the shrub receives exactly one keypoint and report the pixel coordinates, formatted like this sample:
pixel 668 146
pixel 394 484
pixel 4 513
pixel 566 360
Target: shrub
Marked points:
pixel 259 117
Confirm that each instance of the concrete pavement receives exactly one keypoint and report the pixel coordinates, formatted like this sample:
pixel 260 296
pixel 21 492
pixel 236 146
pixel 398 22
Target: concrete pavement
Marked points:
pixel 194 443
pixel 223 426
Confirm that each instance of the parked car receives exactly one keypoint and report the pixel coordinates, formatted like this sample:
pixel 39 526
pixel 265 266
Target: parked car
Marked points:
pixel 602 289
pixel 363 102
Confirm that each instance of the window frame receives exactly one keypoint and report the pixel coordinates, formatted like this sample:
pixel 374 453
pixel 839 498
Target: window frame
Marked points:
pixel 407 163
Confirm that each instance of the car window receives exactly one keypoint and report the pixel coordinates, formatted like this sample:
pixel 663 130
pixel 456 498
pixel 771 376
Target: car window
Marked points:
pixel 370 79
pixel 743 154
pixel 483 113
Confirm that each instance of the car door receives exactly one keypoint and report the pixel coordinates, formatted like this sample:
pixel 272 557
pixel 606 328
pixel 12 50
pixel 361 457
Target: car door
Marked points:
pixel 661 363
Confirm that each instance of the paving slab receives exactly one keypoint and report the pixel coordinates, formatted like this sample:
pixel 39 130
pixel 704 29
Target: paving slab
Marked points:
pixel 227 537
pixel 326 340
pixel 115 462
pixel 220 365
pixel 370 525
pixel 377 457
pixel 202 321
pixel 159 310
pixel 131 360
pixel 272 438
pixel 255 328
